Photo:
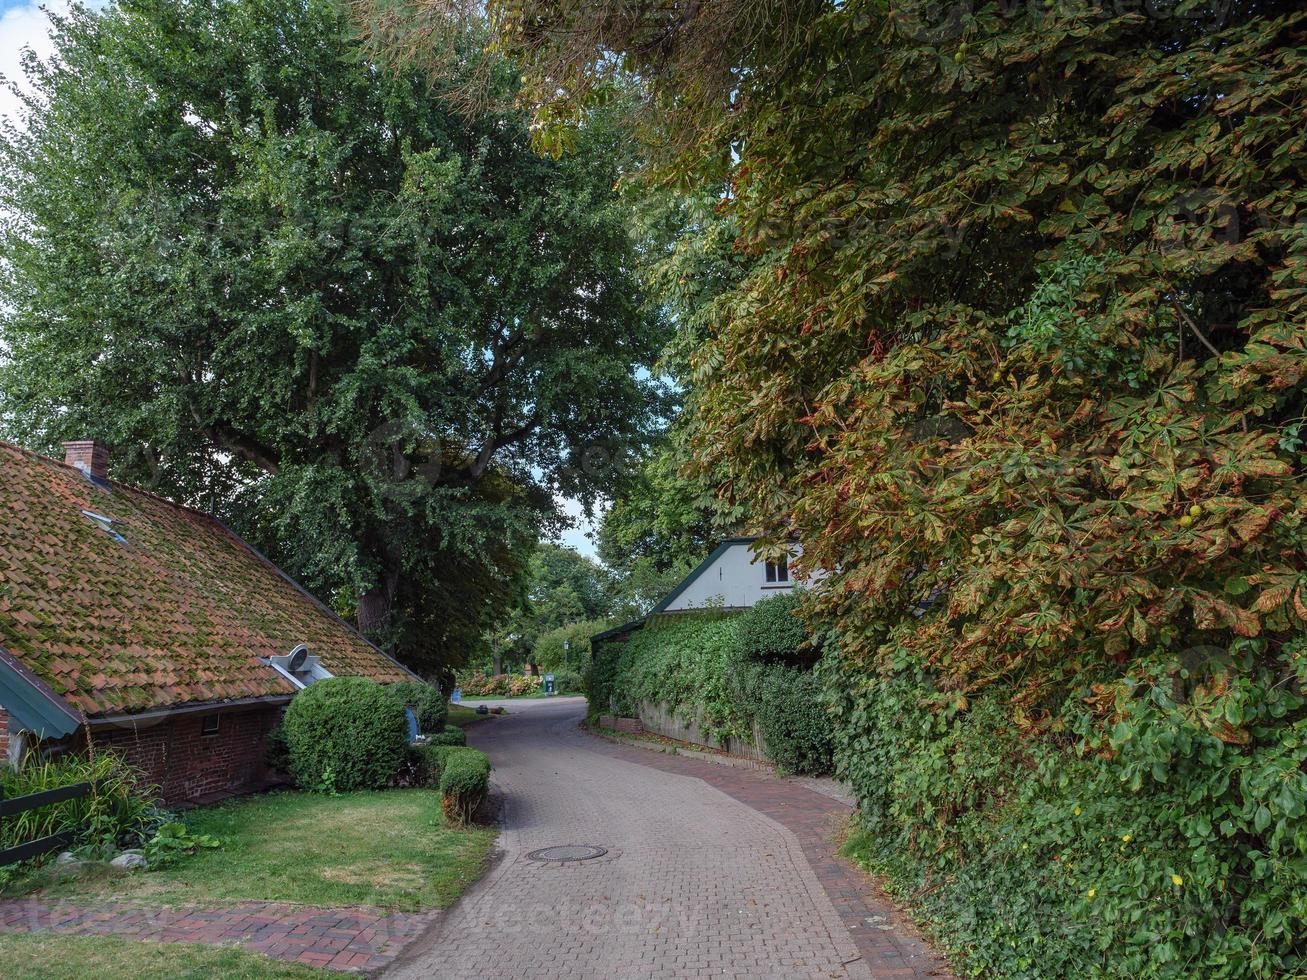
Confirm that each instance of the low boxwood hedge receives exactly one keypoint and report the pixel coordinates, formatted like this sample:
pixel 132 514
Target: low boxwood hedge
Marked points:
pixel 452 735
pixel 461 774
pixel 464 783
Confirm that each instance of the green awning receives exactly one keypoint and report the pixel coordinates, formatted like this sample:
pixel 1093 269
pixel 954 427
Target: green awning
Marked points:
pixel 30 703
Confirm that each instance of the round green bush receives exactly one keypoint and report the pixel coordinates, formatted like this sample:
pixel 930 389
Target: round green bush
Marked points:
pixel 345 733
pixel 426 702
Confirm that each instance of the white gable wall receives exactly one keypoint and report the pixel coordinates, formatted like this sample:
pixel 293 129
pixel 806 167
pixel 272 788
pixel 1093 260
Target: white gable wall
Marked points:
pixel 734 580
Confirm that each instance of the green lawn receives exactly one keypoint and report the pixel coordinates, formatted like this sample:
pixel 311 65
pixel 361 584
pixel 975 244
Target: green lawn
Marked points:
pixel 49 956
pixel 460 716
pixel 389 849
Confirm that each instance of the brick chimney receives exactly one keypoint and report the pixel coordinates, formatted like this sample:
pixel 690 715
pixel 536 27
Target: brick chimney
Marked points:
pixel 89 456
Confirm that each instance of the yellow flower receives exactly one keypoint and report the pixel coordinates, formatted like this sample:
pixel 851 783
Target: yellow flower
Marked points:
pixel 1091 893
pixel 1076 811
pixel 1177 880
pixel 1024 846
pixel 1126 838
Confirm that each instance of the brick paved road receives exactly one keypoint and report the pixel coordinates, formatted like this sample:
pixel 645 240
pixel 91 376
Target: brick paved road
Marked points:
pixel 697 881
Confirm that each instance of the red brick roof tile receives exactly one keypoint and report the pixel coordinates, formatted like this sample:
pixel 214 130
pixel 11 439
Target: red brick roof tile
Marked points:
pixel 179 614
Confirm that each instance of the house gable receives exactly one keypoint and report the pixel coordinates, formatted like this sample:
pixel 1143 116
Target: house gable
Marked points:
pixel 731 577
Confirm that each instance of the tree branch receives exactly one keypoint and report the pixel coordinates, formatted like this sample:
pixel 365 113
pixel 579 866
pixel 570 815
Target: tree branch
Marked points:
pixel 224 438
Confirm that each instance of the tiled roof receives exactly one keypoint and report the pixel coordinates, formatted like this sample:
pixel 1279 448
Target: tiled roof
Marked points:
pixel 178 614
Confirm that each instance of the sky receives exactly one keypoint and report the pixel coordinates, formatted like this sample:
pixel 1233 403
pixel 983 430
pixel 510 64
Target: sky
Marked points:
pixel 576 537
pixel 24 24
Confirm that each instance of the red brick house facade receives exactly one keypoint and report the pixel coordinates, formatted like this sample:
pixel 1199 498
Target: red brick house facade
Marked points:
pixel 136 625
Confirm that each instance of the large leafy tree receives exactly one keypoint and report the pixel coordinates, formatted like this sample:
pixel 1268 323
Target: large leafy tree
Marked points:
pixel 297 288
pixel 562 586
pixel 1020 356
pixel 657 528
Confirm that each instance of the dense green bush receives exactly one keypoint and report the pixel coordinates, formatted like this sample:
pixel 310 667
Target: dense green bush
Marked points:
pixel 426 702
pixel 345 733
pixel 464 783
pixel 1171 847
pixel 772 630
pixel 793 719
pixel 548 653
pixel 461 774
pixel 568 682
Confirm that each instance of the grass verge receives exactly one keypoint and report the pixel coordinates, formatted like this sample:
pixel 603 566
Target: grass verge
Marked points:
pixel 388 849
pixel 461 716
pixel 49 956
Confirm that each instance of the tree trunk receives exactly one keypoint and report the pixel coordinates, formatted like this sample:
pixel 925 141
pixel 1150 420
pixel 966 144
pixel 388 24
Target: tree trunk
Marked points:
pixel 375 606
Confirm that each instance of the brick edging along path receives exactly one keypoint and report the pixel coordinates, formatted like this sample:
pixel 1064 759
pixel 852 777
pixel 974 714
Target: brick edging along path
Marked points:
pixel 889 943
pixel 339 939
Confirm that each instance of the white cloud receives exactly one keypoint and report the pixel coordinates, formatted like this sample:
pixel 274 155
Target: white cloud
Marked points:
pixel 23 25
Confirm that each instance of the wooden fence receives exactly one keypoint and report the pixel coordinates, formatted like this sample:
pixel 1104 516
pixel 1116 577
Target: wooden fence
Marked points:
pixel 34 801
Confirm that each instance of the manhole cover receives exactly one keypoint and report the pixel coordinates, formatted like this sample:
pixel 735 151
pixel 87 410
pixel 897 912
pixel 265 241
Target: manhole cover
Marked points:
pixel 568 852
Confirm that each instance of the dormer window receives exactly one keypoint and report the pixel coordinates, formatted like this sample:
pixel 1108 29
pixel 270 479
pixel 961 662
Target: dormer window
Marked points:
pixel 778 573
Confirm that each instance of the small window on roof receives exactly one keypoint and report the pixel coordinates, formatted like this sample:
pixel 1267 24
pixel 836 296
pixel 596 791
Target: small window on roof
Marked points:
pixel 105 524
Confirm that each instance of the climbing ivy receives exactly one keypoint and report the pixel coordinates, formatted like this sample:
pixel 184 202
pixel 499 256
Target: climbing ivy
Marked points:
pixel 1019 357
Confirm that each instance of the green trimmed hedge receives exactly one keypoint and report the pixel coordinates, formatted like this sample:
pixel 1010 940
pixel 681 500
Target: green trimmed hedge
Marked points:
pixel 732 671
pixel 794 722
pixel 772 630
pixel 462 776
pixel 464 784
pixel 426 702
pixel 345 733
pixel 452 735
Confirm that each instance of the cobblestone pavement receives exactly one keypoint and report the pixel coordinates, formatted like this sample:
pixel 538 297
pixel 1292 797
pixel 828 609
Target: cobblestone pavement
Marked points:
pixel 709 872
pixel 339 939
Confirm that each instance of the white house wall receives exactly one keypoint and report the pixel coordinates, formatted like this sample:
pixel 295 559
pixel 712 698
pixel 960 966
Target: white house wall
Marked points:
pixel 735 580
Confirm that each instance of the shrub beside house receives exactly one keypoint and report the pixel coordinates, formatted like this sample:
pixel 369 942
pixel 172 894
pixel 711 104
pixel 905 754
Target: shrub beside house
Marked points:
pixel 131 623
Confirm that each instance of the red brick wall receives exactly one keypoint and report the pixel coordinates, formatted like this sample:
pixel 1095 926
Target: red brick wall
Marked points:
pixel 187 765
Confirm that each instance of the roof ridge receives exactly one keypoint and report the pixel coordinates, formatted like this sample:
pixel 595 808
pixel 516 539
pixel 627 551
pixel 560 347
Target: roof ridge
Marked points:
pixel 115 484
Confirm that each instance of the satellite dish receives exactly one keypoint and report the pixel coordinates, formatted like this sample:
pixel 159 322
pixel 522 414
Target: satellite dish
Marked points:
pixel 297 657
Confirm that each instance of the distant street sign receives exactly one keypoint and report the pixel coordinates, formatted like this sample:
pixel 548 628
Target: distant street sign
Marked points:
pixel 457 696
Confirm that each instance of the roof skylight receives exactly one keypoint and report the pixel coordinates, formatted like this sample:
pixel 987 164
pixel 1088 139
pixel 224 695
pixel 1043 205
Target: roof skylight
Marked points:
pixel 105 524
